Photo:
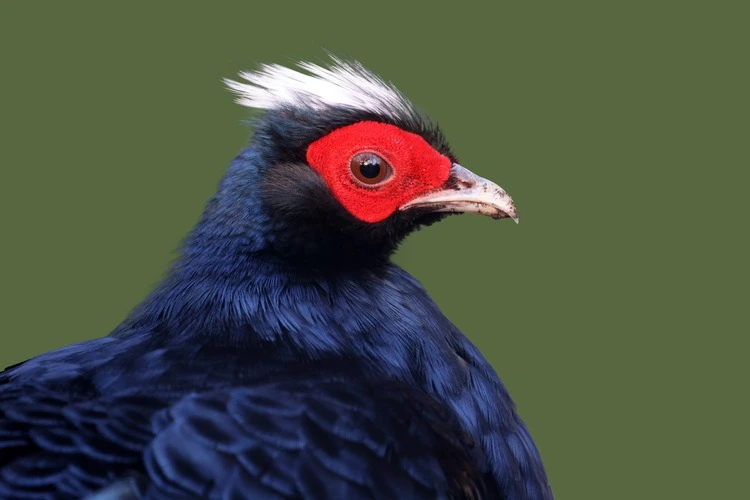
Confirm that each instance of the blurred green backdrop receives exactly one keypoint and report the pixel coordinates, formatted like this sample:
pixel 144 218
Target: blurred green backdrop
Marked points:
pixel 614 312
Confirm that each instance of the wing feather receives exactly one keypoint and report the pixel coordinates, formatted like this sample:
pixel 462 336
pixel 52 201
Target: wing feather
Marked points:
pixel 313 436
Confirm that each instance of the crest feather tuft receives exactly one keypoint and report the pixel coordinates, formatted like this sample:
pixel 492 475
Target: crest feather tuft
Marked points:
pixel 342 84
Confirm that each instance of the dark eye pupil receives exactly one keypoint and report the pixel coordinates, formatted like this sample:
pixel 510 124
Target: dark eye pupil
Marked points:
pixel 370 168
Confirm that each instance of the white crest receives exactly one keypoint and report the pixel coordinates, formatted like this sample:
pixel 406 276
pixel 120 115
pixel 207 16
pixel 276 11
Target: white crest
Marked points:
pixel 342 84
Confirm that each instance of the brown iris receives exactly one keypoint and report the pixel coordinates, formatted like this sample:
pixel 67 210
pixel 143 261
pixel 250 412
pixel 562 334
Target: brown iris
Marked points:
pixel 369 168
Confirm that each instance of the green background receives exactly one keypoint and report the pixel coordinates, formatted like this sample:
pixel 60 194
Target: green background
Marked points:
pixel 615 312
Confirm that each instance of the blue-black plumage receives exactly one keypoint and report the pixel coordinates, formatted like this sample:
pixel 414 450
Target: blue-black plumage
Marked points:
pixel 284 355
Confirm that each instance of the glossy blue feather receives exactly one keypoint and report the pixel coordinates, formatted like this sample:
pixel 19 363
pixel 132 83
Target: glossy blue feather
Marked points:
pixel 189 390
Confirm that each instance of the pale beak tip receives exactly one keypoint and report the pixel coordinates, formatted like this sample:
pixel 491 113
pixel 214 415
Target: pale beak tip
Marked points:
pixel 515 219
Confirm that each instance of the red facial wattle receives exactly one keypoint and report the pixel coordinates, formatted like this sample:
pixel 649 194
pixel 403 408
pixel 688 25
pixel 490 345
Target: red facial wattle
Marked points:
pixel 416 167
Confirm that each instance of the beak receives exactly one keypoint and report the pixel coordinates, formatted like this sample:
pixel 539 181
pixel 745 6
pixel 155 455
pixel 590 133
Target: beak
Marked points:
pixel 465 191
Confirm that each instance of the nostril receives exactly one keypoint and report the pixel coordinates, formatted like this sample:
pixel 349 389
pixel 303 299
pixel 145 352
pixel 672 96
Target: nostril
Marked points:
pixel 466 180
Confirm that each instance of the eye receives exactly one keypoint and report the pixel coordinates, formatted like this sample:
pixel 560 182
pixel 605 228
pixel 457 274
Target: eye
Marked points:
pixel 369 168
